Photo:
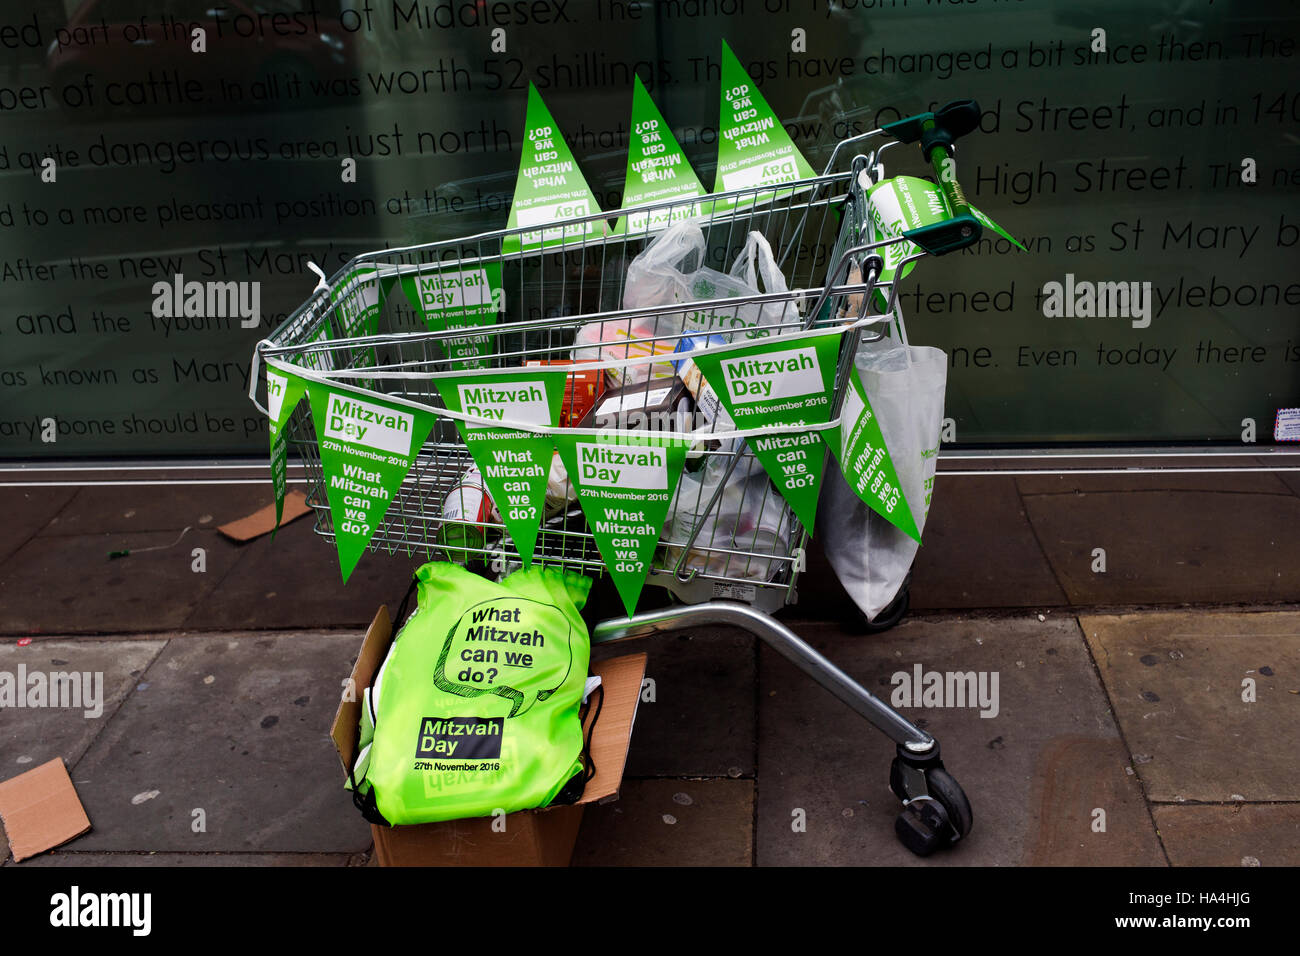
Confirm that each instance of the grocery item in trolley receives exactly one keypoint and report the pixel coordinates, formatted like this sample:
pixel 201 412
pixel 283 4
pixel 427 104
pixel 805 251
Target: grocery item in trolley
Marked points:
pixel 582 388
pixel 706 399
pixel 618 339
pixel 465 511
pixel 663 405
pixel 660 405
pixel 671 270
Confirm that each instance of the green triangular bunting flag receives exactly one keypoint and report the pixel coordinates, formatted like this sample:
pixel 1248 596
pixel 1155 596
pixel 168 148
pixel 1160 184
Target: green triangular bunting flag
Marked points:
pixel 865 461
pixel 283 392
pixel 355 303
pixel 657 170
pixel 624 485
pixel 449 299
pixel 789 382
pixel 753 147
pixel 550 187
pixel 514 463
pixel 366 448
pixel 359 298
pixel 988 223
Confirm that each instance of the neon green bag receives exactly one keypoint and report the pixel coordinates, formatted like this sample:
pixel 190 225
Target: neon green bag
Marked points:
pixel 475 709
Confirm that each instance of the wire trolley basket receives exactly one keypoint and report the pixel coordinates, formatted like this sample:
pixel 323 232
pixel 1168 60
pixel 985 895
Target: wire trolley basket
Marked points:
pixel 564 295
pixel 562 302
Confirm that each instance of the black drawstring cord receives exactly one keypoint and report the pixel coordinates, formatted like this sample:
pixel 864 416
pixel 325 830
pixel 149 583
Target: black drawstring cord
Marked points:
pixel 586 745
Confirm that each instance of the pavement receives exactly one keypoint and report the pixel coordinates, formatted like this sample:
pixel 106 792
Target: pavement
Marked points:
pixel 1137 638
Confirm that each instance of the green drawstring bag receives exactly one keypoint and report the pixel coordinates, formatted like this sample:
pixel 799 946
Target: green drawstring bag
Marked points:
pixel 476 708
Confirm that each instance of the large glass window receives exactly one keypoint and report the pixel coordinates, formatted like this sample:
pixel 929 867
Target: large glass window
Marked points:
pixel 1143 153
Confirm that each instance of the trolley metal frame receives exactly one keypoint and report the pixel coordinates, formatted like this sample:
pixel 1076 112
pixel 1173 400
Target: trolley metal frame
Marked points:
pixel 552 293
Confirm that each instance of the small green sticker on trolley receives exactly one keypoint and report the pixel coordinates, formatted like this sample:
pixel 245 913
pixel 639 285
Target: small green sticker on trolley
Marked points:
pixel 469 298
pixel 790 382
pixel 865 461
pixel 514 462
pixel 366 448
pixel 283 392
pixel 550 188
pixel 624 485
pixel 657 171
pixel 753 147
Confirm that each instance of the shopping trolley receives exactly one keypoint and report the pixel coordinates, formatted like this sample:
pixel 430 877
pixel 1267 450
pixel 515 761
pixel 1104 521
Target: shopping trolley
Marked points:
pixel 732 548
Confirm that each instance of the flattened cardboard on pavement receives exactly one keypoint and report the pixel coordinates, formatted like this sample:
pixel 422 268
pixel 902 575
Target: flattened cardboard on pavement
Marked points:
pixel 262 521
pixel 41 810
pixel 531 837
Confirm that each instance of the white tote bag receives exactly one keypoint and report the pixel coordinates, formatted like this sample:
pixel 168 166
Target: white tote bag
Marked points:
pixel 905 385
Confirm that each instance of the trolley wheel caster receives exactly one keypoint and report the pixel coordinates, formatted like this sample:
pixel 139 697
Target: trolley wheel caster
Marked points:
pixel 936 813
pixel 922 826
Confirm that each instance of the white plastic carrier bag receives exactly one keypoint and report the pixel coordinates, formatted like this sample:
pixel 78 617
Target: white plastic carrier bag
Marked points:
pixel 905 385
pixel 671 270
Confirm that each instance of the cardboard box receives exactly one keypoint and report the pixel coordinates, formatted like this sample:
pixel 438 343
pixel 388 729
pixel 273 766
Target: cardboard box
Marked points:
pixel 581 388
pixel 532 837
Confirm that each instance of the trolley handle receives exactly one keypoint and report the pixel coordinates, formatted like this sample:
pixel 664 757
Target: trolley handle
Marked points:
pixel 938 133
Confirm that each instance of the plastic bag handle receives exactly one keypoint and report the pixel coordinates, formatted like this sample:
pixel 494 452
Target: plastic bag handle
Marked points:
pixel 758 248
pixel 674 247
pixel 902 331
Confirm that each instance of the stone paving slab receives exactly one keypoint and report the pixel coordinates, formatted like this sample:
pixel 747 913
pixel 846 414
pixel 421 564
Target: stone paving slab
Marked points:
pixel 1104 822
pixel 701 721
pixel 1051 723
pixel 27 511
pixel 979 550
pixel 236 725
pixel 1175 681
pixel 1291 479
pixel 136 508
pixel 294 582
pixel 67 584
pixel 670 823
pixel 31 736
pixel 1240 548
pixel 1241 835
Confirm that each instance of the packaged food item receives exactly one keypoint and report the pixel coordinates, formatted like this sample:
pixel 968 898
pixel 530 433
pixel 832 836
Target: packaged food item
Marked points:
pixel 466 509
pixel 581 389
pixel 712 409
pixel 685 368
pixel 627 338
pixel 706 399
pixel 660 405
